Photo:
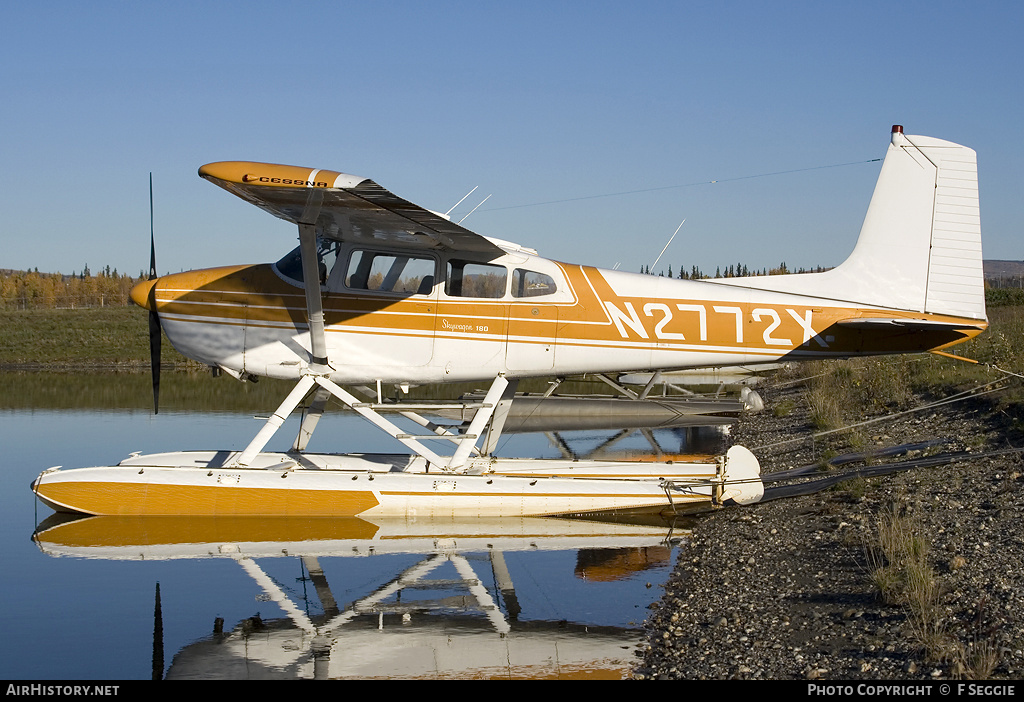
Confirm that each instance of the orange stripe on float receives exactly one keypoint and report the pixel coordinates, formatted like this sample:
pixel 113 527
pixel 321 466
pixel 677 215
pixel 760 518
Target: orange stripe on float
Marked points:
pixel 112 498
pixel 98 532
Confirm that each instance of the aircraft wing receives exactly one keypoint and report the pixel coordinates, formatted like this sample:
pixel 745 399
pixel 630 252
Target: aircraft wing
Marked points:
pixel 342 206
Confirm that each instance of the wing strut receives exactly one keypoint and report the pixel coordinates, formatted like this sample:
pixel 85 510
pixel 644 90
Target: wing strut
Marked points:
pixel 314 304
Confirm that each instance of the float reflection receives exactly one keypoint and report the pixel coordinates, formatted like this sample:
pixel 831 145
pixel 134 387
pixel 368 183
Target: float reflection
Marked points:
pixel 448 605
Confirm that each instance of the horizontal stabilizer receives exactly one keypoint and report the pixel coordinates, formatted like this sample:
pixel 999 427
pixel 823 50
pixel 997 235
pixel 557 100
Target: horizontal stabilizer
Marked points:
pixel 904 323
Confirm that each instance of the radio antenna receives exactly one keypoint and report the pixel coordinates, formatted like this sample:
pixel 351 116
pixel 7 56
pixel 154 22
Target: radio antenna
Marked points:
pixel 667 245
pixel 475 208
pixel 460 201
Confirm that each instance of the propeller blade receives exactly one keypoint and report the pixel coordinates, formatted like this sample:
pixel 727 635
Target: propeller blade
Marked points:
pixel 154 319
pixel 152 238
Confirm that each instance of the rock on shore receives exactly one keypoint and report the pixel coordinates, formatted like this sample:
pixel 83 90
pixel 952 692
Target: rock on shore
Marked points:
pixel 784 589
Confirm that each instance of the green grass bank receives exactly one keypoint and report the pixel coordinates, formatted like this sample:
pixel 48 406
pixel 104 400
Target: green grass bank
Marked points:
pixel 110 337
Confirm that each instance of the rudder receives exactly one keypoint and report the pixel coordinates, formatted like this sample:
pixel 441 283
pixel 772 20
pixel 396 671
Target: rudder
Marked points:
pixel 920 246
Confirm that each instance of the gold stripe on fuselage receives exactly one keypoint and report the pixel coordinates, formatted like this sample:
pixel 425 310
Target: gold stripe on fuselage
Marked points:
pixel 597 317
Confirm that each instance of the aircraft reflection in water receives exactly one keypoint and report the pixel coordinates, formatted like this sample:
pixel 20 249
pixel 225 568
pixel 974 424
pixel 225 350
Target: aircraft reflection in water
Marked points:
pixel 455 613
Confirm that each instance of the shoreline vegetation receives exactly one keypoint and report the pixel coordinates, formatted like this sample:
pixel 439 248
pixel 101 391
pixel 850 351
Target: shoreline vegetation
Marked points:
pixel 907 569
pixel 82 339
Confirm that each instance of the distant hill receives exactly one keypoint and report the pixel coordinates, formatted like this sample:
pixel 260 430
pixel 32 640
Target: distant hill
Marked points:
pixel 1003 269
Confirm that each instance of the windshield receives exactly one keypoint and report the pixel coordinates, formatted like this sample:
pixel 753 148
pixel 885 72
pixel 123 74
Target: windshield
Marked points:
pixel 290 266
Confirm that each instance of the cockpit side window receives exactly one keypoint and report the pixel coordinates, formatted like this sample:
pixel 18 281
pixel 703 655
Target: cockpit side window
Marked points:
pixel 388 272
pixel 468 279
pixel 531 284
pixel 290 266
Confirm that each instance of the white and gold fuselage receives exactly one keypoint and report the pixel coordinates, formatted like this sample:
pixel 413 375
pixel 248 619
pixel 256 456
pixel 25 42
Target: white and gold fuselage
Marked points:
pixel 251 320
pixel 409 297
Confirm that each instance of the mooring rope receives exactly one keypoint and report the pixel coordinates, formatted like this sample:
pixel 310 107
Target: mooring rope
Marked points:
pixel 1001 370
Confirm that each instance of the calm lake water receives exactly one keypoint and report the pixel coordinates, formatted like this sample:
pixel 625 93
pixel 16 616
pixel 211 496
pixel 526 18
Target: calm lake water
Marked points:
pixel 308 598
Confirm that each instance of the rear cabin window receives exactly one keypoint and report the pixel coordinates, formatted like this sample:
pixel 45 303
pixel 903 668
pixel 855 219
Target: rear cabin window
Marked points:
pixel 531 284
pixel 388 272
pixel 467 279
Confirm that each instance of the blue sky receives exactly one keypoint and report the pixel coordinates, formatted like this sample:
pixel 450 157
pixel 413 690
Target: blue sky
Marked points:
pixel 569 104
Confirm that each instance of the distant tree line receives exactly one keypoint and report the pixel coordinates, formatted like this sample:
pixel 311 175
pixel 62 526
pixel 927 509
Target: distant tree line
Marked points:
pixel 1006 281
pixel 737 270
pixel 21 290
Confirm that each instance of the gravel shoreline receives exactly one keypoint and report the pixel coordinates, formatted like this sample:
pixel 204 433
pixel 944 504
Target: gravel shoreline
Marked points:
pixel 783 590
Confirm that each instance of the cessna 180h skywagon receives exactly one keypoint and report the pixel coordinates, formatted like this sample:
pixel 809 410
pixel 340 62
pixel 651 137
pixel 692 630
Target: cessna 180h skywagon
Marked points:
pixel 381 291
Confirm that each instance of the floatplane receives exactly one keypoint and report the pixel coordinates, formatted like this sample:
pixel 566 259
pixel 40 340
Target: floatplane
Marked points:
pixel 382 292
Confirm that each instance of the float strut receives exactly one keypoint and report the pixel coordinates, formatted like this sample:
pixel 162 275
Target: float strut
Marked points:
pixel 276 420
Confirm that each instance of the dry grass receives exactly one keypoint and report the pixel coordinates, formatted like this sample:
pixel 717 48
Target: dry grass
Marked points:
pixel 975 660
pixel 898 556
pixel 899 561
pixel 842 392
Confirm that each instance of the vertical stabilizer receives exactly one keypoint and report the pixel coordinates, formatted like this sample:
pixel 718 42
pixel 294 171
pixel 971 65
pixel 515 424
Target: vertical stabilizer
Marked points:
pixel 920 246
